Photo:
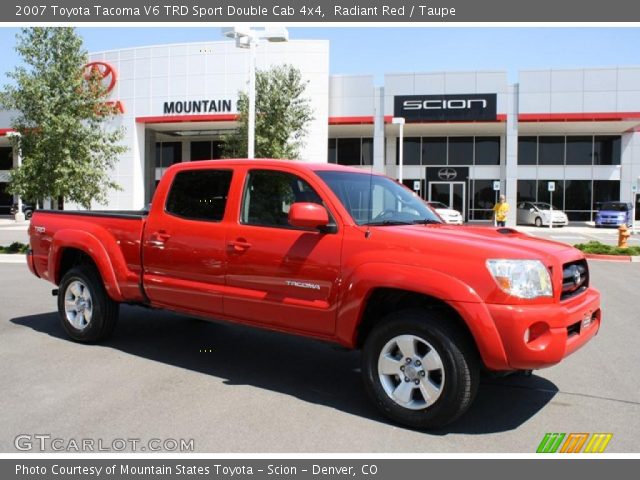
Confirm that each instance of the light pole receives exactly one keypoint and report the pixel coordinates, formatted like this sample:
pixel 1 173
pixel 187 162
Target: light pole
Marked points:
pixel 400 122
pixel 19 216
pixel 634 202
pixel 249 38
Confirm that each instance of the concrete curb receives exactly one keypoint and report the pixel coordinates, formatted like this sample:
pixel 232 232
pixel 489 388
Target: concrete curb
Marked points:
pixel 613 258
pixel 13 258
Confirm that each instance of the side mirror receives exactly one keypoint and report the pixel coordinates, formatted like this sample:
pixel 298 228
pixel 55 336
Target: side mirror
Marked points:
pixel 532 210
pixel 308 215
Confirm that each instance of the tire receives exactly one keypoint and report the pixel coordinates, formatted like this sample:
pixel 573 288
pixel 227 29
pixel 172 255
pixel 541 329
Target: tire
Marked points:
pixel 87 313
pixel 538 222
pixel 450 379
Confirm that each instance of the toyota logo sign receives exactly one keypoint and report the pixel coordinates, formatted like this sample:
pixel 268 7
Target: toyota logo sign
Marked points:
pixel 447 174
pixel 104 71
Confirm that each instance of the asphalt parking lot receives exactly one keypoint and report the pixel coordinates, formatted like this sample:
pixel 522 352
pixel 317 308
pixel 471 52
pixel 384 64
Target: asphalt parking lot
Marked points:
pixel 234 389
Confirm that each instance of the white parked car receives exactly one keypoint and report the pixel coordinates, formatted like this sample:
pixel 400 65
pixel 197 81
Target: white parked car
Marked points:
pixel 449 215
pixel 539 214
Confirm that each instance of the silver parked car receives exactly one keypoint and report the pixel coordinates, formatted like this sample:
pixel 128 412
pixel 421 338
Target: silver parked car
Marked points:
pixel 539 214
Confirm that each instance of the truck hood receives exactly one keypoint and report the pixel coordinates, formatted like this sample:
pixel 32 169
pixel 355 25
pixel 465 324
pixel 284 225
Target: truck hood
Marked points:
pixel 481 242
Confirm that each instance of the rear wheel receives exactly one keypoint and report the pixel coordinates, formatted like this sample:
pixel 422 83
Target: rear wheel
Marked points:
pixel 420 369
pixel 87 313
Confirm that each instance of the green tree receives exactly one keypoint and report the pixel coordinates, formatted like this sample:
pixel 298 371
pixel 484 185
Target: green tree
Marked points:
pixel 282 115
pixel 68 151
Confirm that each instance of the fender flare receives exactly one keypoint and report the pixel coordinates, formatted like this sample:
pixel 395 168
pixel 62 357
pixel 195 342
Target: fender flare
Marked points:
pixel 459 296
pixel 108 258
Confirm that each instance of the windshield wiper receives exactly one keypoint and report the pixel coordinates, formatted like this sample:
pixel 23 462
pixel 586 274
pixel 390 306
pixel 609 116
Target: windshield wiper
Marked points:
pixel 426 221
pixel 386 223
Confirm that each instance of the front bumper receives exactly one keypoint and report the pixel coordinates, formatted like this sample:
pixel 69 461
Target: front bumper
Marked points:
pixel 557 221
pixel 610 222
pixel 538 336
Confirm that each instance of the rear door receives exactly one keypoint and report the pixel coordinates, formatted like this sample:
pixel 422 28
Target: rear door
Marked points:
pixel 279 275
pixel 184 243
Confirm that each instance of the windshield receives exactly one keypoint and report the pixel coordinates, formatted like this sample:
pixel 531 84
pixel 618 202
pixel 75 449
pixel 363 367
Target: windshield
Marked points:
pixel 615 206
pixel 437 205
pixel 543 206
pixel 377 200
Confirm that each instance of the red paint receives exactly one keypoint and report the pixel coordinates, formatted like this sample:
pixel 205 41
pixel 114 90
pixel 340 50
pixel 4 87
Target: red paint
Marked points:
pixel 225 117
pixel 5 131
pixel 579 117
pixel 251 274
pixel 361 120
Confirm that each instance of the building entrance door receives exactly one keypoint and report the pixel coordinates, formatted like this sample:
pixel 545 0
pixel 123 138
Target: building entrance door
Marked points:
pixel 452 194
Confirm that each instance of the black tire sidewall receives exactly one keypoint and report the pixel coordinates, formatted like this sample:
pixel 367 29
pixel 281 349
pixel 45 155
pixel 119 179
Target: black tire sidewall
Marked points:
pixel 98 325
pixel 454 399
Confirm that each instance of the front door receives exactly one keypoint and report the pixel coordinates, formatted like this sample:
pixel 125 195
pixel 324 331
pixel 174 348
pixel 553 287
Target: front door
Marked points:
pixel 451 194
pixel 279 275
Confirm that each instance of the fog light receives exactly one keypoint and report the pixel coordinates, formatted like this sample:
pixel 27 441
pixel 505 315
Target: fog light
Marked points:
pixel 535 331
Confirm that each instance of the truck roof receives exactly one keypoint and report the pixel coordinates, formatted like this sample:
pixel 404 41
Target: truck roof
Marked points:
pixel 269 162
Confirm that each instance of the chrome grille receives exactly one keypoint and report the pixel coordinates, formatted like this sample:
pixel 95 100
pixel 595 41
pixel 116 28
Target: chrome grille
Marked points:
pixel 575 279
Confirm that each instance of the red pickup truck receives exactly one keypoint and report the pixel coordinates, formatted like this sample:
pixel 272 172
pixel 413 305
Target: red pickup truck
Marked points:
pixel 333 253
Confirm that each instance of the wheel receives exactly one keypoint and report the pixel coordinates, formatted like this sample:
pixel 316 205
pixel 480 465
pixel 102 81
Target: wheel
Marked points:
pixel 87 313
pixel 420 369
pixel 538 222
pixel 28 214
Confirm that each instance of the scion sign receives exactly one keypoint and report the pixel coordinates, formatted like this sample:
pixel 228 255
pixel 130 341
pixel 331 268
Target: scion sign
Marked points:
pixel 459 107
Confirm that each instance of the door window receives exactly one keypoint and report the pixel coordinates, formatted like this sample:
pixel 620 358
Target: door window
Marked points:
pixel 269 195
pixel 199 194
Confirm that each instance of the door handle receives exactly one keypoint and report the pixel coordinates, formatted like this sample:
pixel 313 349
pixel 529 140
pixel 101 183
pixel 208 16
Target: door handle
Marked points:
pixel 158 239
pixel 239 245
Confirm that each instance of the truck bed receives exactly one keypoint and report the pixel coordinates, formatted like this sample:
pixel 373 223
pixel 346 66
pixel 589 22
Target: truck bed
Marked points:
pixel 112 238
pixel 132 214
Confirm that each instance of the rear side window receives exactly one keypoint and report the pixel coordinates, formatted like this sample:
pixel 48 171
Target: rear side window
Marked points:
pixel 199 194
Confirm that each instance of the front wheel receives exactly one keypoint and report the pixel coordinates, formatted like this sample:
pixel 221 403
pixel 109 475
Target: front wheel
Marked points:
pixel 87 313
pixel 420 368
pixel 538 222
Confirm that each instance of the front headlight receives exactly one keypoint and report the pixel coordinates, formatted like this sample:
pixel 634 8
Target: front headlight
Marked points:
pixel 521 278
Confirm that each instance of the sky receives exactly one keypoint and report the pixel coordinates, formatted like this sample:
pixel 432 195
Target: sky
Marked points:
pixel 379 50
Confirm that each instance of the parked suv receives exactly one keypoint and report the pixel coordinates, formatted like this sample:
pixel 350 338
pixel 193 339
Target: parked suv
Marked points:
pixel 26 209
pixel 614 214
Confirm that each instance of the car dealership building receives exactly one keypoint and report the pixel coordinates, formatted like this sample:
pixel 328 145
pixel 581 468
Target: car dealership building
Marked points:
pixel 574 131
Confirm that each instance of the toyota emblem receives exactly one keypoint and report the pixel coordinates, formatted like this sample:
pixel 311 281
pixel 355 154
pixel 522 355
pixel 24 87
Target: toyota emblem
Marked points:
pixel 102 70
pixel 447 173
pixel 577 276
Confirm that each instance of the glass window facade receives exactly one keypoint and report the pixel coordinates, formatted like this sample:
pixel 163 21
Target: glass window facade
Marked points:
pixel 578 198
pixel 168 153
pixel 6 158
pixel 206 150
pixel 606 150
pixel 570 150
pixel 483 198
pixel 434 150
pixel 527 150
pixel 454 151
pixel 460 151
pixel 579 150
pixel 351 151
pixel 487 151
pixel 550 150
